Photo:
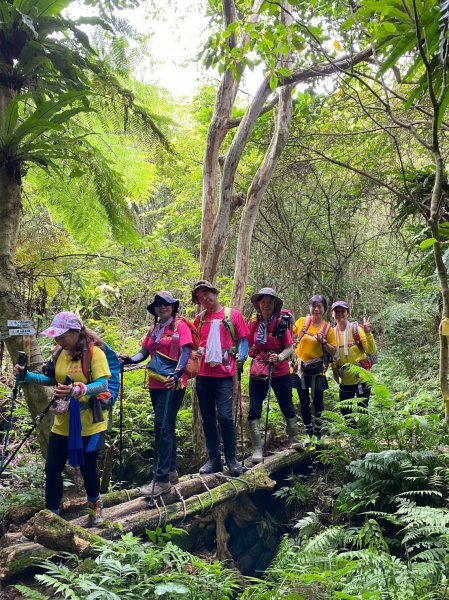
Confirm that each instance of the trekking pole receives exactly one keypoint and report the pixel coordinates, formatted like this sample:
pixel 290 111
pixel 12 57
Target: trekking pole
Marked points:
pixel 151 503
pixel 22 361
pixel 38 419
pixel 270 375
pixel 120 439
pixel 240 404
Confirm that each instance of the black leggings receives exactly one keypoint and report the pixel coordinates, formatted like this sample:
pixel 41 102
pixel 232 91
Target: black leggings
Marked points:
pixel 56 459
pixel 304 401
pixel 282 387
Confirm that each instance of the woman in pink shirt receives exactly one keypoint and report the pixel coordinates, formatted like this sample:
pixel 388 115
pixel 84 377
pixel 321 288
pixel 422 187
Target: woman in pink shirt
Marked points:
pixel 171 337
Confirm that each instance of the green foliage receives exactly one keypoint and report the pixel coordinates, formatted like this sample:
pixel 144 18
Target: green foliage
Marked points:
pixel 128 568
pixel 25 487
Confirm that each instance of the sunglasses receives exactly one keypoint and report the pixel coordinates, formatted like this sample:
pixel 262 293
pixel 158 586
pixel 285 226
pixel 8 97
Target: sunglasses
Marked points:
pixel 160 303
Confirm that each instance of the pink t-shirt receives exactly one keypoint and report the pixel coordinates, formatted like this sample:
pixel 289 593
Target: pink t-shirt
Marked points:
pixel 166 347
pixel 273 344
pixel 241 331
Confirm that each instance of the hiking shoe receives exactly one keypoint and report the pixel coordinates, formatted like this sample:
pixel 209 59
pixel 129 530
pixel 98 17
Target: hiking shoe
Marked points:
pixel 234 467
pixel 212 466
pixel 318 439
pixel 173 477
pixel 307 441
pixel 160 487
pixel 95 513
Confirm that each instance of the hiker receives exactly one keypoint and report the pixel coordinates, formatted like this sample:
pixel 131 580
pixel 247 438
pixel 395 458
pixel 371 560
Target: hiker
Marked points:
pixel 270 343
pixel 314 348
pixel 355 346
pixel 75 434
pixel 223 334
pixel 171 339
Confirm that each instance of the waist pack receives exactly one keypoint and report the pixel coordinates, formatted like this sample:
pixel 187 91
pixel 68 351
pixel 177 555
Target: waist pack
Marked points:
pixel 161 366
pixel 312 367
pixel 259 369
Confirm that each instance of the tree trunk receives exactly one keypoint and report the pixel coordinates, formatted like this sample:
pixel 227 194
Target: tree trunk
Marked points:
pixel 11 302
pixel 260 182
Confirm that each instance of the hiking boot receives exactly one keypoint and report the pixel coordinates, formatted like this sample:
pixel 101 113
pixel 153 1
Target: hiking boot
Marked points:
pixel 95 513
pixel 318 439
pixel 308 440
pixel 160 487
pixel 256 441
pixel 292 432
pixel 234 467
pixel 211 466
pixel 173 477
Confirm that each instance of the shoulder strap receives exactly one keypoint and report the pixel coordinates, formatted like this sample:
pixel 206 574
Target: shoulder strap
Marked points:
pixel 306 326
pixel 86 362
pixel 325 330
pixel 356 335
pixel 201 321
pixel 227 322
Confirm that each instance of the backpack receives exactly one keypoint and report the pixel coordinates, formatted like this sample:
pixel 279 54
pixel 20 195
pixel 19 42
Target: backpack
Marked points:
pixel 371 359
pixel 285 321
pixel 324 331
pixel 109 398
pixel 193 365
pixel 227 322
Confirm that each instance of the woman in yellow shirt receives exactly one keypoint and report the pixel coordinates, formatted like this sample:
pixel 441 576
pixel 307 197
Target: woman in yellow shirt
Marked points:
pixel 351 351
pixel 315 341
pixel 76 434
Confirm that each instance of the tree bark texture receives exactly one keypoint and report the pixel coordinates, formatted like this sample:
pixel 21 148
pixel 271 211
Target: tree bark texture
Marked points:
pixel 218 129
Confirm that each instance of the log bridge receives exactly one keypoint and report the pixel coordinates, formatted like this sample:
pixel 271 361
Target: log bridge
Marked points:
pixel 32 534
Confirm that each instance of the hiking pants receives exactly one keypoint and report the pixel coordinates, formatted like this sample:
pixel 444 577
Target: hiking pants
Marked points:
pixel 304 401
pixel 165 433
pixel 215 400
pixel 352 391
pixel 57 455
pixel 282 387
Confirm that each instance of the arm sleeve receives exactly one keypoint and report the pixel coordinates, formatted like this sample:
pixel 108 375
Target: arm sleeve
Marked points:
pixel 243 348
pixel 98 386
pixel 139 357
pixel 38 378
pixel 286 352
pixel 184 357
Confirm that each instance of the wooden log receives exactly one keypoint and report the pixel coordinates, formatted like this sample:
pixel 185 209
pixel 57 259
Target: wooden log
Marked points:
pixel 185 489
pixel 53 532
pixel 17 559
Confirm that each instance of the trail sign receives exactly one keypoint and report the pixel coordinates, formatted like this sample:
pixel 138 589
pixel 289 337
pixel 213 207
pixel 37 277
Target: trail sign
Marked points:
pixel 23 331
pixel 13 323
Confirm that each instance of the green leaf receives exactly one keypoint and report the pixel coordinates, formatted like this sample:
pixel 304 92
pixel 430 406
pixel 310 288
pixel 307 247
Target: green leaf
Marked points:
pixel 11 115
pixel 273 82
pixel 426 244
pixel 171 588
pixel 443 106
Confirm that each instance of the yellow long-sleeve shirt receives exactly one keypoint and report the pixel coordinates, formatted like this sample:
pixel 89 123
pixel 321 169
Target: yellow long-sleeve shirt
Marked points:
pixel 355 354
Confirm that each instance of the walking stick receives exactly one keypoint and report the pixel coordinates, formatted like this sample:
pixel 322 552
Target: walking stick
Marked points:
pixel 240 404
pixel 151 503
pixel 120 439
pixel 270 375
pixel 68 381
pixel 22 361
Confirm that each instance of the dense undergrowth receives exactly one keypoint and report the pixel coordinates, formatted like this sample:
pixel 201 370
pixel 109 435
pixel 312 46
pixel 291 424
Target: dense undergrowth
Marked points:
pixel 370 520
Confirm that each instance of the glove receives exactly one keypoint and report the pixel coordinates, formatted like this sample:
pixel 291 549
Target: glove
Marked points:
pixel 175 376
pixel 126 360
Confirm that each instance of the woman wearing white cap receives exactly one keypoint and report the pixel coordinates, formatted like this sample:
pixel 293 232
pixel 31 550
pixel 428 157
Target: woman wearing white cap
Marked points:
pixel 171 338
pixel 270 346
pixel 355 346
pixel 75 434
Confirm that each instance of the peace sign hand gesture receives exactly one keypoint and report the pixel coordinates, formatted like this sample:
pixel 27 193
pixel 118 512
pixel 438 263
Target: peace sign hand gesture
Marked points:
pixel 367 325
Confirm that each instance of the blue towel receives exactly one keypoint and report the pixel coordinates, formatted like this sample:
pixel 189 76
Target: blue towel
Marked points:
pixel 76 454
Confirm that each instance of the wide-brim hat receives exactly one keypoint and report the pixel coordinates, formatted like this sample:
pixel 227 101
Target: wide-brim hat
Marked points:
pixel 63 322
pixel 166 297
pixel 203 284
pixel 341 304
pixel 266 291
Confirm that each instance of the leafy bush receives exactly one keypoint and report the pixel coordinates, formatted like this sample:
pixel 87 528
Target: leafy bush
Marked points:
pixel 128 569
